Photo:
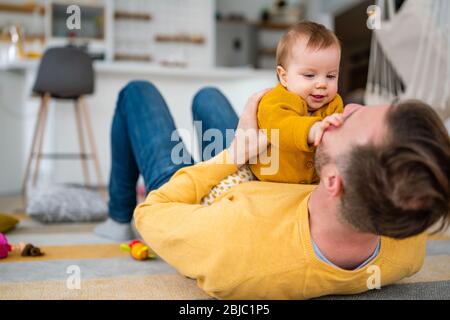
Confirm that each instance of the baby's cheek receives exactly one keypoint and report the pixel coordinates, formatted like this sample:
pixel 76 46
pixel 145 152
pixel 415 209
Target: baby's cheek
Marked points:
pixel 305 90
pixel 330 98
pixel 334 89
pixel 332 95
pixel 300 90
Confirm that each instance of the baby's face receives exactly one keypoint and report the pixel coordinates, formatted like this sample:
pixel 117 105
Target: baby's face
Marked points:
pixel 312 74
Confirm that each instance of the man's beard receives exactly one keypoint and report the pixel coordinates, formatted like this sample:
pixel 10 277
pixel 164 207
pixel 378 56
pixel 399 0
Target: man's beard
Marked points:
pixel 322 158
pixel 346 206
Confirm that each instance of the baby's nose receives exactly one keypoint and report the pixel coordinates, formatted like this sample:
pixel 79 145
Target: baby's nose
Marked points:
pixel 321 84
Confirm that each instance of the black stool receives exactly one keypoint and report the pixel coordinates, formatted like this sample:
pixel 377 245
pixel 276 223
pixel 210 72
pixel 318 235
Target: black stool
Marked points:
pixel 64 73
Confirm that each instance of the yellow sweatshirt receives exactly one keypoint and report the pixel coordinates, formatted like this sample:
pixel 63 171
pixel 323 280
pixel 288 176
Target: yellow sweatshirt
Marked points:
pixel 254 241
pixel 288 112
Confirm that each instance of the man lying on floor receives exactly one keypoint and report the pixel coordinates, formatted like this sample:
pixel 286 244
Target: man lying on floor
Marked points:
pixel 385 180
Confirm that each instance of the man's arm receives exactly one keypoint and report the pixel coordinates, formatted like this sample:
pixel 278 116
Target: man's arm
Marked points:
pixel 179 229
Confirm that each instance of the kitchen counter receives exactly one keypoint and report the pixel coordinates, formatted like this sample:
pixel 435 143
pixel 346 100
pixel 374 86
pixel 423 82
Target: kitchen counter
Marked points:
pixel 178 86
pixel 141 68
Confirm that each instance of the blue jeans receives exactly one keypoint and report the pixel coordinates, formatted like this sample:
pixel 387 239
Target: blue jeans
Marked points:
pixel 141 141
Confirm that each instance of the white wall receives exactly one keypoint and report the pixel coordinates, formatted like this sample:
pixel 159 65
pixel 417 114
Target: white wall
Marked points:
pixel 169 17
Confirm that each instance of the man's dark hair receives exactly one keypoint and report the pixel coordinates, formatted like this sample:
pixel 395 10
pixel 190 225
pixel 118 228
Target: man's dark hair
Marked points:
pixel 401 188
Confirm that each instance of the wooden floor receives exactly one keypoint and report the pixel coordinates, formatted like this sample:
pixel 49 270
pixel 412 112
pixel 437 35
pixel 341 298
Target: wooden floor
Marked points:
pixel 109 273
pixel 12 204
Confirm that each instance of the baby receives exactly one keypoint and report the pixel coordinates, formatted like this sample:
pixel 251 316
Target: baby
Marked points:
pixel 301 107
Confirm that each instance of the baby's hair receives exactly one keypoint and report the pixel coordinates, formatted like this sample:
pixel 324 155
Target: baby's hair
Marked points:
pixel 319 37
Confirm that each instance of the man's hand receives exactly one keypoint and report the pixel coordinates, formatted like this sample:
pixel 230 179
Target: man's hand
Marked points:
pixel 248 141
pixel 317 129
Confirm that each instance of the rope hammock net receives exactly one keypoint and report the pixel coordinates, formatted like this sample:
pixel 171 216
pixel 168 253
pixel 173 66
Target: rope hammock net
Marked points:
pixel 410 54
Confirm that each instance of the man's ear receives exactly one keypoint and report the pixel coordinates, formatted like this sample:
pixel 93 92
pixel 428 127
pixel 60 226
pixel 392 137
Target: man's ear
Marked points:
pixel 282 76
pixel 333 183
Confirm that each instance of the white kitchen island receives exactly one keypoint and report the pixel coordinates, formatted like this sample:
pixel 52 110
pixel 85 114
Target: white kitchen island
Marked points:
pixel 18 111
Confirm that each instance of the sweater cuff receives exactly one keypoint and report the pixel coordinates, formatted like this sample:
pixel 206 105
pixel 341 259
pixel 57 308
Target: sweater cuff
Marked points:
pixel 302 138
pixel 221 158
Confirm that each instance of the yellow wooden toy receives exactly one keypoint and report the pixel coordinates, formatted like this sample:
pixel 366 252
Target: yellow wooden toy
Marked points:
pixel 138 250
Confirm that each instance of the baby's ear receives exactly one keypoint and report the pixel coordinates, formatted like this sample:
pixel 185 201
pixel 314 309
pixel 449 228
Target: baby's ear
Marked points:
pixel 282 75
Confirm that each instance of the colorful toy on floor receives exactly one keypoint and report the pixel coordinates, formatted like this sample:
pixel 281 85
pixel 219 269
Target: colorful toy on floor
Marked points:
pixel 26 250
pixel 30 251
pixel 5 247
pixel 138 250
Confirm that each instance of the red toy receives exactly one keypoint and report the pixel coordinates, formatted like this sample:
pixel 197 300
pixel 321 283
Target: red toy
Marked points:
pixel 138 250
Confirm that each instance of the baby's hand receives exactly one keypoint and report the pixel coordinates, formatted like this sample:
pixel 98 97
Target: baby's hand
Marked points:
pixel 317 130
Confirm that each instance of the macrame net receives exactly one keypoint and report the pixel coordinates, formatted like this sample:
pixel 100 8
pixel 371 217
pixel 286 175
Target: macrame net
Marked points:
pixel 410 54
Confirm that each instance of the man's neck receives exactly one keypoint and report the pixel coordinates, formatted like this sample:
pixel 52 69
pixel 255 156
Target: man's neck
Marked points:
pixel 338 241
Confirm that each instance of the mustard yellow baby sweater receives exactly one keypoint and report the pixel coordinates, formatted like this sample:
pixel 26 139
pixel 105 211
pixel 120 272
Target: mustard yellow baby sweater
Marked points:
pixel 288 112
pixel 254 241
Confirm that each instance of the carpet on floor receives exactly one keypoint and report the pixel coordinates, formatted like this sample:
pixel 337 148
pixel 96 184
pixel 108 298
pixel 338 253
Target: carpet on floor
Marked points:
pixel 108 273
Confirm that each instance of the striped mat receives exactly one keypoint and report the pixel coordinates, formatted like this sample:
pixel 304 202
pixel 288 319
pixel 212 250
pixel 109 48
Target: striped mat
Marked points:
pixel 105 271
pixel 108 273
